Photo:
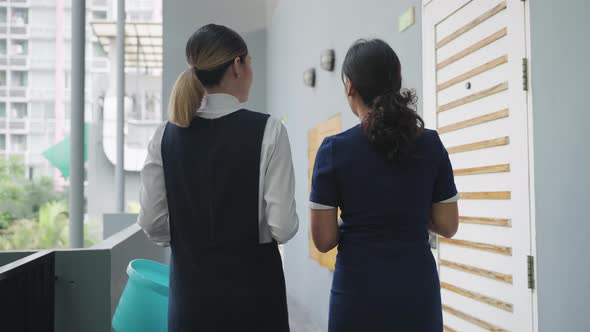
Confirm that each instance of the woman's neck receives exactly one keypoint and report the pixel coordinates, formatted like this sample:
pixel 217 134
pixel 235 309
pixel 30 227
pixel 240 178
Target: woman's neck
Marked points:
pixel 362 111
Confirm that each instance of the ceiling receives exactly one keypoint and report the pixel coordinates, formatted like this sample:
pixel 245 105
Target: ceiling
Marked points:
pixel 143 42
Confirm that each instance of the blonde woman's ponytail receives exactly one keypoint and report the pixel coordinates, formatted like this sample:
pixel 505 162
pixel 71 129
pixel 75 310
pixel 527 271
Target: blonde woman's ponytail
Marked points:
pixel 185 99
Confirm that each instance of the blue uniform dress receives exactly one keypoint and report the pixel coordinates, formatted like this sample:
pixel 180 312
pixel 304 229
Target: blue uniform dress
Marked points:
pixel 386 277
pixel 221 278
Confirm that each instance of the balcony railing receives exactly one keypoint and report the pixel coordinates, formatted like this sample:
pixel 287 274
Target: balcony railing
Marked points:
pixel 86 283
pixel 19 30
pixel 28 290
pixel 19 60
pixel 18 92
pixel 18 125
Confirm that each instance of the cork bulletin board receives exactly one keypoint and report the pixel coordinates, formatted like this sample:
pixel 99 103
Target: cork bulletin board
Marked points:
pixel 316 136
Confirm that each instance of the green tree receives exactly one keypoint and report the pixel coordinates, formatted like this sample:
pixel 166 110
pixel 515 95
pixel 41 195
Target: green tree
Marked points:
pixel 53 225
pixel 21 198
pixel 49 232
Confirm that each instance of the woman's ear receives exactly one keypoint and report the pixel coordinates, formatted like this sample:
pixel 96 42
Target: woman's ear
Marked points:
pixel 348 88
pixel 237 67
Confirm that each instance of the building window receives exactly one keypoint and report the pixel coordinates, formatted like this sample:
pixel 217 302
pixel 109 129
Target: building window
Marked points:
pixel 99 14
pixel 98 51
pixel 19 79
pixel 2 110
pixel 18 110
pixel 100 3
pixel 2 46
pixel 2 142
pixel 3 15
pixel 18 143
pixel 140 16
pixel 19 47
pixel 19 16
pixel 2 78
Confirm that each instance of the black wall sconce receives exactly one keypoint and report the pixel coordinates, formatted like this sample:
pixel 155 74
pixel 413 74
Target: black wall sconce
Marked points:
pixel 327 60
pixel 309 77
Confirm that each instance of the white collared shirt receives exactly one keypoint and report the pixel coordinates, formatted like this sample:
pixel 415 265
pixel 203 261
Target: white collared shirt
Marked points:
pixel 276 202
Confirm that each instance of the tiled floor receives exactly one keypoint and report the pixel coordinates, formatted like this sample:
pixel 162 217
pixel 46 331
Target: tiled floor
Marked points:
pixel 300 320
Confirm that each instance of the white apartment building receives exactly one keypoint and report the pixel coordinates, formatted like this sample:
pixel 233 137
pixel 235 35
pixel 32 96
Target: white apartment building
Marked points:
pixel 35 62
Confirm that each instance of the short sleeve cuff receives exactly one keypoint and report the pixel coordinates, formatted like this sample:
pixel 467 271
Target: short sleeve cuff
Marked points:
pixel 453 199
pixel 317 206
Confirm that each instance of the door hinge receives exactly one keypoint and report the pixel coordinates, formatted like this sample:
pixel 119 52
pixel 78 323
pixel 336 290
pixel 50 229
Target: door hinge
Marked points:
pixel 531 271
pixel 525 74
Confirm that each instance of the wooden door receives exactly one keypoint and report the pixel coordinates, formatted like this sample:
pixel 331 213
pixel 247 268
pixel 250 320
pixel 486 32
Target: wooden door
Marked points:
pixel 475 96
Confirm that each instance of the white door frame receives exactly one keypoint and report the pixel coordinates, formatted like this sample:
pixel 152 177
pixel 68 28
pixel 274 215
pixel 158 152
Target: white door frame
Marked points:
pixel 435 11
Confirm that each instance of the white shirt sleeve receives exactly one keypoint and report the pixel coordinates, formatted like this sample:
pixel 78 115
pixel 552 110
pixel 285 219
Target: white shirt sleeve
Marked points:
pixel 153 215
pixel 279 186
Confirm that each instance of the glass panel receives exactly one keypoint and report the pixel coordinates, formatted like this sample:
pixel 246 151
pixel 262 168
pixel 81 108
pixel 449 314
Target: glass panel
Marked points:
pixel 2 78
pixel 2 110
pixel 2 15
pixel 99 15
pixel 18 110
pixel 2 142
pixel 2 46
pixel 19 47
pixel 18 143
pixel 19 16
pixel 97 50
pixel 19 79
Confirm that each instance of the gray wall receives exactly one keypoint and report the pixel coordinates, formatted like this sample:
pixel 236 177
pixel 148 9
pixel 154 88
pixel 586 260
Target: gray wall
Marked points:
pixel 125 246
pixel 90 281
pixel 561 114
pixel 299 31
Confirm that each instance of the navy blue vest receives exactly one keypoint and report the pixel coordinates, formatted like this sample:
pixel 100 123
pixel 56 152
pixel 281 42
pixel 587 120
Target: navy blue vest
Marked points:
pixel 221 278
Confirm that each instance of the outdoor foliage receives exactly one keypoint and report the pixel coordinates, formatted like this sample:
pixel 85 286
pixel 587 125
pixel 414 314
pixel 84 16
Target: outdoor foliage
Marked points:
pixel 21 198
pixel 32 214
pixel 49 231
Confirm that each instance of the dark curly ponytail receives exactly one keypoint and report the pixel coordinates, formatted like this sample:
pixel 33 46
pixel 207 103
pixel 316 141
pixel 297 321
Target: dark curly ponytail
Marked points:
pixel 392 125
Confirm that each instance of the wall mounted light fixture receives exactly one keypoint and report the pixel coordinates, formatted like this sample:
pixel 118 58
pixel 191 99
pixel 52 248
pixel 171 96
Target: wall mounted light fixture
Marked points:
pixel 327 60
pixel 309 77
